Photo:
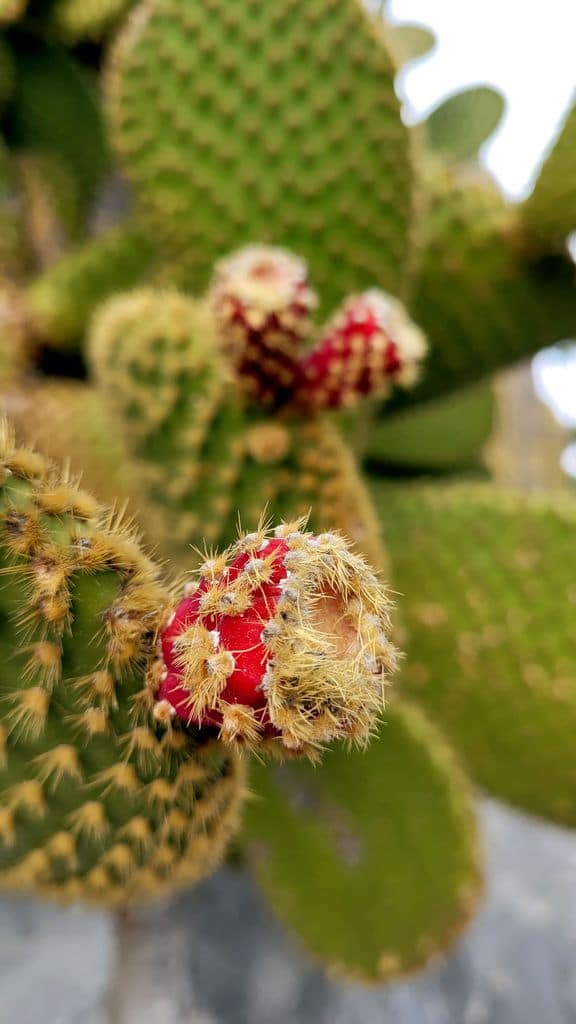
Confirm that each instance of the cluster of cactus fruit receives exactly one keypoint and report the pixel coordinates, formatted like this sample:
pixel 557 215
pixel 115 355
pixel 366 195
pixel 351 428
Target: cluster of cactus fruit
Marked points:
pixel 179 346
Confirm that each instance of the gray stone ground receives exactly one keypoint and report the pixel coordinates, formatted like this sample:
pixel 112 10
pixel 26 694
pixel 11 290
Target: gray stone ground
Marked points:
pixel 217 956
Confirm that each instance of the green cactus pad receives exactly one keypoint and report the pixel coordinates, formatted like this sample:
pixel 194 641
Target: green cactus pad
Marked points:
pixel 550 211
pixel 235 124
pixel 488 580
pixel 55 109
pixel 372 862
pixel 95 804
pixel 481 302
pixel 458 127
pixel 67 421
pixel 61 301
pixel 86 19
pixel 202 460
pixel 411 42
pixel 439 436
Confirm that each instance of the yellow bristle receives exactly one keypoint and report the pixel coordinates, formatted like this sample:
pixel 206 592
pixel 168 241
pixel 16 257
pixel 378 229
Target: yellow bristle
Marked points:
pixel 90 820
pixel 3 746
pixel 58 763
pixel 120 859
pixel 139 831
pixel 118 777
pixel 27 718
pixel 27 796
pixel 7 826
pixel 44 660
pixel 160 791
pixel 62 847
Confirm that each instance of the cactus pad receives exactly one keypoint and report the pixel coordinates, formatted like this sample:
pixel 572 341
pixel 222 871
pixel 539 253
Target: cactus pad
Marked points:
pixel 482 304
pixel 372 861
pixel 235 123
pixel 95 805
pixel 62 300
pixel 490 579
pixel 550 211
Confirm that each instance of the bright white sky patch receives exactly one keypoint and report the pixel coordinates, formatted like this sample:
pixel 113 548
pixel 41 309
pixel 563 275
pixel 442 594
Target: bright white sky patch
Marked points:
pixel 524 48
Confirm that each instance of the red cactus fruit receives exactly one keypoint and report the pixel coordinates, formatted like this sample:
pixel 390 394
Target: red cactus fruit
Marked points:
pixel 263 304
pixel 366 348
pixel 284 641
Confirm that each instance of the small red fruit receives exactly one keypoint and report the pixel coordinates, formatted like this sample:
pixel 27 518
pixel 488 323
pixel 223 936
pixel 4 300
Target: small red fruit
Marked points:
pixel 263 305
pixel 284 639
pixel 367 347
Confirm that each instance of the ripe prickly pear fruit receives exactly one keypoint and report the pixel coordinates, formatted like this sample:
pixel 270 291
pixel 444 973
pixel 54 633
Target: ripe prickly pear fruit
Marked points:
pixel 369 346
pixel 284 640
pixel 263 304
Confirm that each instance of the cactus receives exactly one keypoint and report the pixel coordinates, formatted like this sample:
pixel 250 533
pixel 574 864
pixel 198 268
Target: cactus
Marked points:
pixel 203 457
pixel 550 211
pixel 207 187
pixel 490 580
pixel 61 301
pixel 459 125
pixel 275 127
pixel 85 19
pixel 103 797
pixel 94 804
pixel 320 842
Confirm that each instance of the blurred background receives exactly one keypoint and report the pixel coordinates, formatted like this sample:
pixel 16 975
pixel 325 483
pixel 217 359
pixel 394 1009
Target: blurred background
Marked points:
pixel 217 955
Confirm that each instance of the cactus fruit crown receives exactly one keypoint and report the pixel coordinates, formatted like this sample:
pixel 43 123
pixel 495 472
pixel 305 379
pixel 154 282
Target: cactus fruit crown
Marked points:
pixel 284 637
pixel 263 305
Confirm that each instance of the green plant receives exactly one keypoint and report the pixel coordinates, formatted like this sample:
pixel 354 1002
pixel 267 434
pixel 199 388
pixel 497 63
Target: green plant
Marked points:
pixel 103 797
pixel 250 123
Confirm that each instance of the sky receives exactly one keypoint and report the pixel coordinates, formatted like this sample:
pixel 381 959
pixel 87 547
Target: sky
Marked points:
pixel 525 48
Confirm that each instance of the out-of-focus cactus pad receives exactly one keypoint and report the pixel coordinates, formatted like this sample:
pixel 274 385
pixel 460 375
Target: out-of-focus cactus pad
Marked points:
pixel 489 580
pixel 235 123
pixel 373 860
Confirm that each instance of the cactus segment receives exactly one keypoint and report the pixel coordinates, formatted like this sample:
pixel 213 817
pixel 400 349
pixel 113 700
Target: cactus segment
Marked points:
pixel 460 125
pixel 75 20
pixel 549 212
pixel 482 304
pixel 441 436
pixel 489 578
pixel 368 346
pixel 201 459
pixel 54 109
pixel 411 42
pixel 285 637
pixel 79 430
pixel 96 804
pixel 61 301
pixel 373 861
pixel 293 148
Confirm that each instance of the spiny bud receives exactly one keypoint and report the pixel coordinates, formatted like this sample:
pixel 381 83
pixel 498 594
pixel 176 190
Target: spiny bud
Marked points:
pixel 369 345
pixel 289 644
pixel 263 303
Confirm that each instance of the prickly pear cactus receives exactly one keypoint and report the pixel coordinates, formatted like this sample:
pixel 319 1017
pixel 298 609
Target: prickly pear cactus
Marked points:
pixel 244 326
pixel 95 804
pixel 293 148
